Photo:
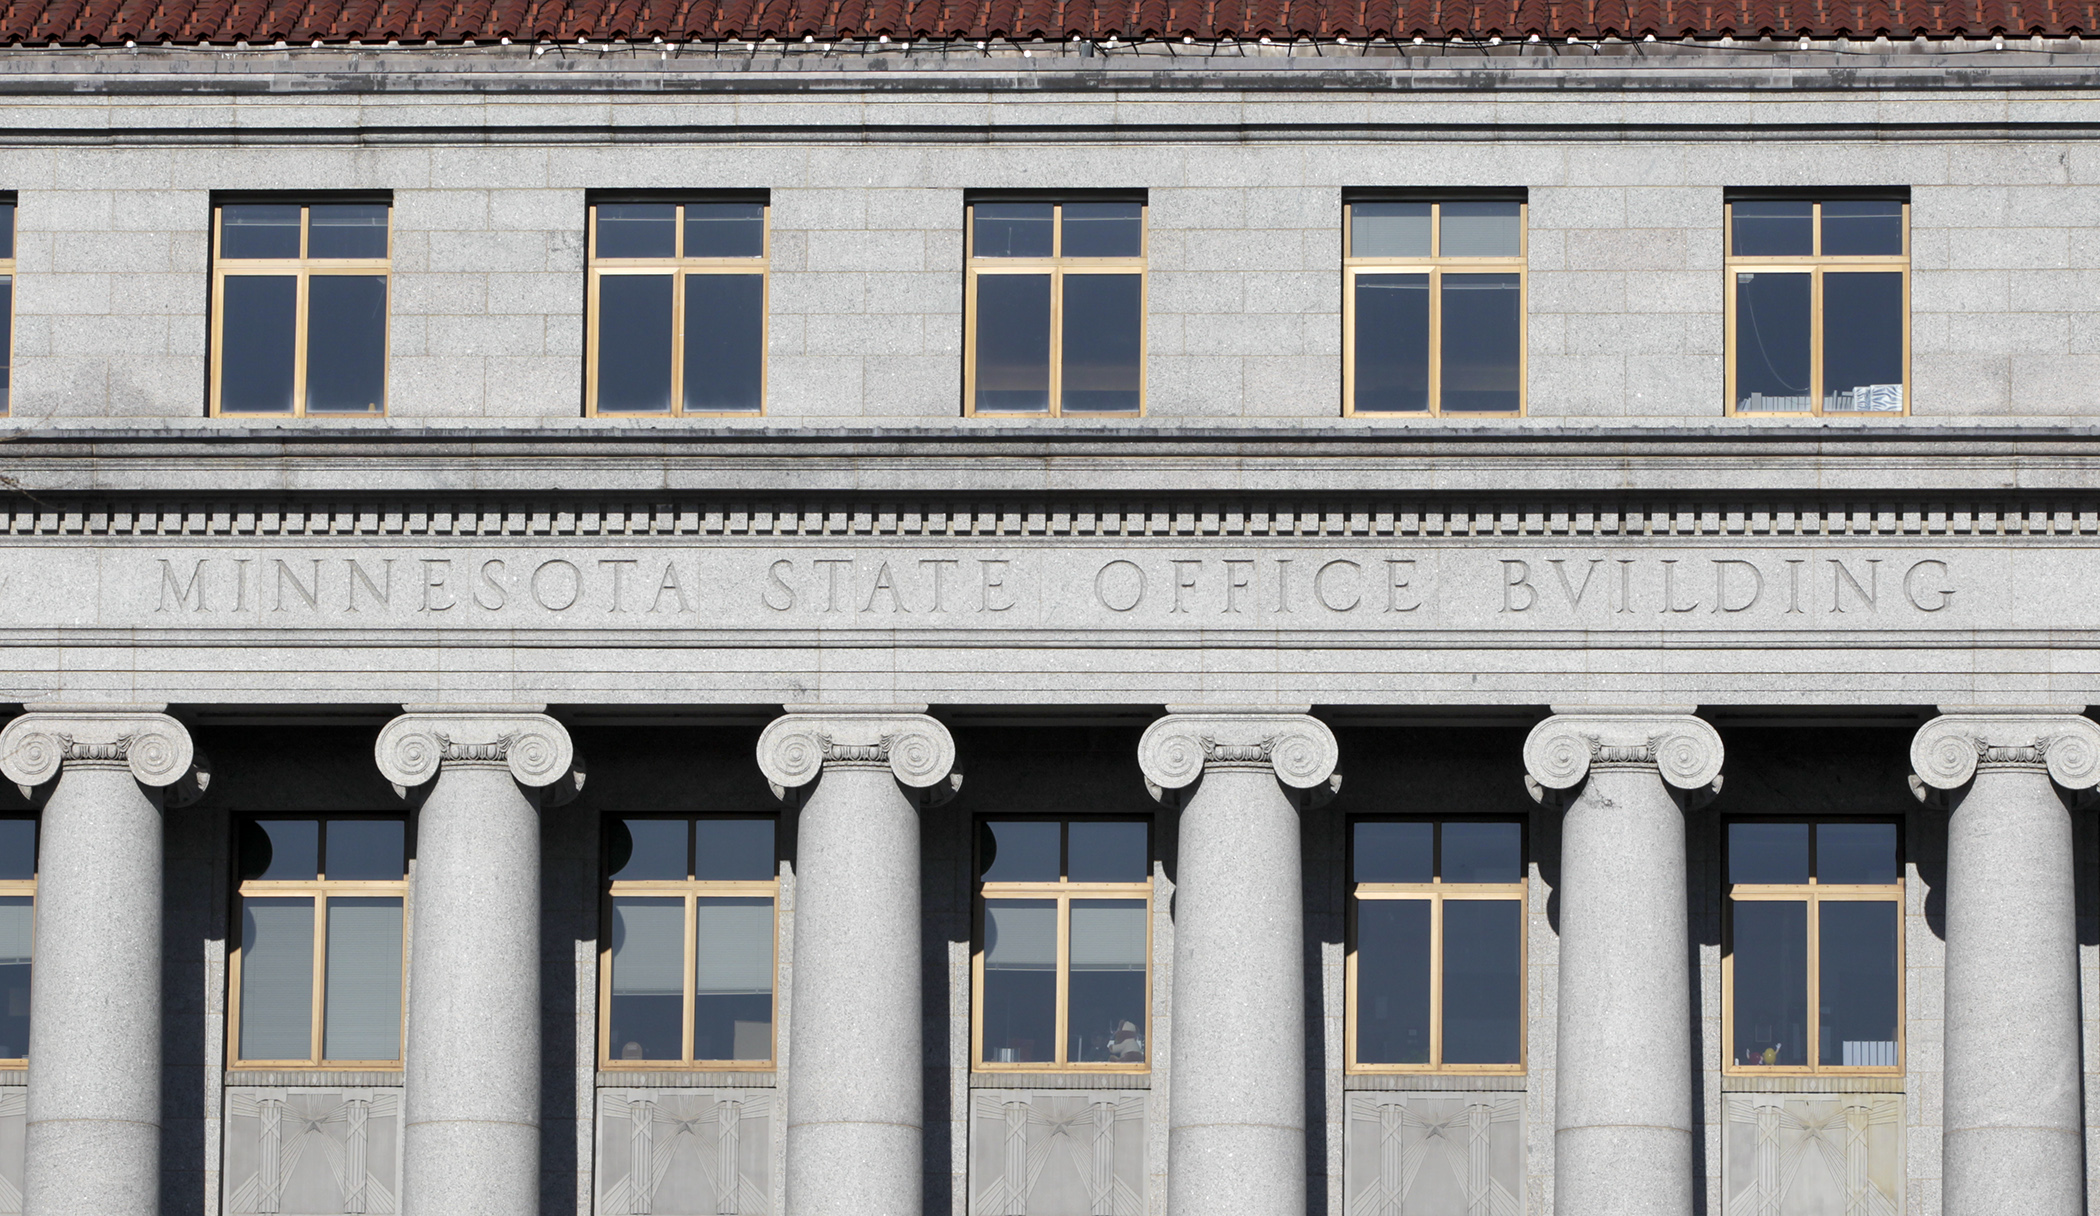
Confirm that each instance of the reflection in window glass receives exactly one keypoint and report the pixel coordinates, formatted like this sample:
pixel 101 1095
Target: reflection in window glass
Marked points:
pixel 1107 1005
pixel 1012 230
pixel 725 230
pixel 648 978
pixel 277 978
pixel 1020 980
pixel 1067 337
pixel 634 343
pixel 1020 850
pixel 1773 228
pixel 362 1018
pixel 258 337
pixel 1103 318
pixel 1389 230
pixel 259 230
pixel 1772 359
pixel 646 849
pixel 678 308
pixel 1483 330
pixel 295 330
pixel 1857 986
pixel 1486 228
pixel 346 230
pixel 1483 981
pixel 1435 326
pixel 1863 342
pixel 1392 981
pixel 281 849
pixel 1013 343
pixel 1771 982
pixel 1392 343
pixel 1862 228
pixel 346 344
pixel 637 230
pixel 1104 230
pixel 733 979
pixel 724 342
pixel 17 936
pixel 1821 321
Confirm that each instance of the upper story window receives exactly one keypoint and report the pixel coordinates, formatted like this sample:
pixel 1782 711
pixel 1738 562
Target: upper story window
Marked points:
pixel 317 975
pixel 686 968
pixel 1818 305
pixel 1056 307
pixel 678 307
pixel 17 933
pixel 1434 306
pixel 1436 945
pixel 1812 953
pixel 299 308
pixel 1064 945
pixel 7 300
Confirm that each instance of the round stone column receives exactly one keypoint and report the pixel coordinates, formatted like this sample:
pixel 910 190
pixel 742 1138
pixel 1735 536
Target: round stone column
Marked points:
pixel 2011 1126
pixel 93 1140
pixel 471 1134
pixel 1622 1123
pixel 856 1066
pixel 1236 1100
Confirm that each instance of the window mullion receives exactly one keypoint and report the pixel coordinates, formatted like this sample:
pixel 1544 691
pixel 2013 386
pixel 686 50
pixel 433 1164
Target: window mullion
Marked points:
pixel 1436 983
pixel 1057 340
pixel 1436 332
pixel 316 1044
pixel 299 312
pixel 678 274
pixel 692 974
pixel 1814 987
pixel 1064 977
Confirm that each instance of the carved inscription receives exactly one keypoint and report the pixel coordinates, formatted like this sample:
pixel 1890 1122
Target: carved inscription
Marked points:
pixel 1729 585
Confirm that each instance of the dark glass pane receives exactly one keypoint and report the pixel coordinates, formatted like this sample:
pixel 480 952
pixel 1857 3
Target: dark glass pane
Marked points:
pixel 1105 1022
pixel 277 979
pixel 7 339
pixel 1862 227
pixel 346 344
pixel 733 979
pixel 1011 230
pixel 1768 852
pixel 346 230
pixel 1774 228
pixel 1013 343
pixel 1392 343
pixel 1104 326
pixel 1863 342
pixel 1104 230
pixel 1389 230
pixel 724 341
pixel 732 850
pixel 361 1019
pixel 637 230
pixel 1483 329
pixel 634 343
pixel 7 230
pixel 646 850
pixel 1392 981
pixel 1483 980
pixel 259 230
pixel 1771 982
pixel 17 848
pixel 1857 960
pixel 1108 851
pixel 648 979
pixel 1482 229
pixel 1771 342
pixel 1018 851
pixel 1483 852
pixel 723 230
pixel 17 921
pixel 1395 852
pixel 1020 981
pixel 1853 853
pixel 256 339
pixel 366 850
pixel 281 849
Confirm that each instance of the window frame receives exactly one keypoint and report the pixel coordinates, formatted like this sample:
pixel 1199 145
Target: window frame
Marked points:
pixel 18 888
pixel 1816 265
pixel 1436 892
pixel 7 272
pixel 1812 894
pixel 1436 265
pixel 1057 266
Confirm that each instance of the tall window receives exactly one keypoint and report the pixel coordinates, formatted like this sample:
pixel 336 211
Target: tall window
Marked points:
pixel 678 307
pixel 686 967
pixel 17 933
pixel 1819 305
pixel 1813 956
pixel 1056 307
pixel 7 300
pixel 1436 946
pixel 317 975
pixel 1435 306
pixel 1064 944
pixel 299 301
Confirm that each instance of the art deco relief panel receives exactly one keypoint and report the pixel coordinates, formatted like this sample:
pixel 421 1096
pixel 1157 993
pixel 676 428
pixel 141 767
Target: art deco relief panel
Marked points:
pixel 685 1152
pixel 1064 1153
pixel 14 1118
pixel 312 1152
pixel 1812 1154
pixel 1443 1152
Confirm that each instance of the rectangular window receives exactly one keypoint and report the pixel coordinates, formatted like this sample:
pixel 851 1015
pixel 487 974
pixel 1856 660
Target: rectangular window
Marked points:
pixel 678 307
pixel 1056 307
pixel 18 841
pixel 1434 306
pixel 299 308
pixel 1436 945
pixel 1812 957
pixel 316 973
pixel 1064 945
pixel 686 967
pixel 1818 305
pixel 7 301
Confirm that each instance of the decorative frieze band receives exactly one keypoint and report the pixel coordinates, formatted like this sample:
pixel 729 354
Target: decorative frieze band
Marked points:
pixel 796 747
pixel 535 748
pixel 1179 748
pixel 35 747
pixel 1564 749
pixel 1951 749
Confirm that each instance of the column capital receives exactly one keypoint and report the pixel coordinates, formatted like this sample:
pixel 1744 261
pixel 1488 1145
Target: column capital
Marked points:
pixel 1949 750
pixel 1562 750
pixel 1295 746
pixel 534 747
pixel 797 746
pixel 155 747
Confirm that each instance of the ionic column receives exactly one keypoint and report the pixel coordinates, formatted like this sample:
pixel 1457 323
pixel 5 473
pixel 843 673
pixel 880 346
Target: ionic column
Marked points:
pixel 2010 1120
pixel 856 1062
pixel 1236 1103
pixel 93 1142
pixel 1622 1127
pixel 471 1135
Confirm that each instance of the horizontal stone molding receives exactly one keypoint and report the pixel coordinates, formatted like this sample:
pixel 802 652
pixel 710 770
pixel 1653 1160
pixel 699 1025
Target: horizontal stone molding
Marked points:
pixel 1562 750
pixel 1947 751
pixel 1298 748
pixel 413 747
pixel 795 748
pixel 35 747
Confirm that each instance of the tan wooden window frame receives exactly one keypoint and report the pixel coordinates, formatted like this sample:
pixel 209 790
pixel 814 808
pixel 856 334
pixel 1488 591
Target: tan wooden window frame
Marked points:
pixel 305 269
pixel 692 891
pixel 1816 266
pixel 679 267
pixel 1436 265
pixel 7 272
pixel 1057 266
pixel 18 887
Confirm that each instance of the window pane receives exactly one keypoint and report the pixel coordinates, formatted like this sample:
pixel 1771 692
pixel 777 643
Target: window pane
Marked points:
pixel 277 979
pixel 1771 982
pixel 1483 327
pixel 1482 229
pixel 1862 227
pixel 1395 852
pixel 281 848
pixel 1108 851
pixel 733 978
pixel 7 342
pixel 346 343
pixel 1483 981
pixel 259 230
pixel 1106 1018
pixel 366 850
pixel 362 1020
pixel 634 343
pixel 1104 230
pixel 256 337
pixel 1774 228
pixel 17 936
pixel 17 848
pixel 723 230
pixel 1011 230
pixel 7 230
pixel 1392 981
pixel 346 230
pixel 1768 852
pixel 1020 981
pixel 1483 852
pixel 648 979
pixel 637 230
pixel 1018 851
pixel 1851 853
pixel 647 850
pixel 1392 343
pixel 730 850
pixel 724 341
pixel 1771 342
pixel 1389 230
pixel 1104 325
pixel 1013 343
pixel 1857 992
pixel 1863 342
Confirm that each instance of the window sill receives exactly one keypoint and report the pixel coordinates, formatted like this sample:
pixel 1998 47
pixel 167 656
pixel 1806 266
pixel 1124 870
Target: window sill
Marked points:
pixel 1812 1083
pixel 1060 1080
pixel 339 1077
pixel 685 1078
pixel 1444 1082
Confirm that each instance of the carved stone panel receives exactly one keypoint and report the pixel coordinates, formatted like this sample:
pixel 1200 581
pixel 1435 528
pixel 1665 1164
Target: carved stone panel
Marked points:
pixel 312 1152
pixel 1061 1153
pixel 14 1119
pixel 685 1152
pixel 1434 1154
pixel 1812 1154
